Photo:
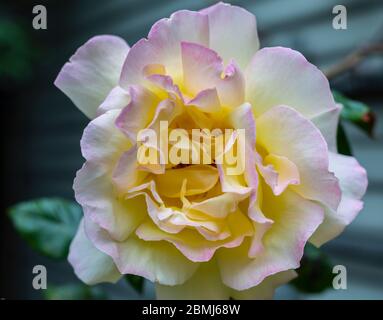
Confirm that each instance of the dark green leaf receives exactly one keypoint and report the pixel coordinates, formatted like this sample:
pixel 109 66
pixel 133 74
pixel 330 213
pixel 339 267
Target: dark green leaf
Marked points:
pixel 315 273
pixel 47 224
pixel 343 144
pixel 73 292
pixel 136 282
pixel 356 112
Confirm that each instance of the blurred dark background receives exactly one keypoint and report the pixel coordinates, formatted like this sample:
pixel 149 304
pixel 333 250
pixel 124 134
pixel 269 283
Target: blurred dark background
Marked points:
pixel 41 128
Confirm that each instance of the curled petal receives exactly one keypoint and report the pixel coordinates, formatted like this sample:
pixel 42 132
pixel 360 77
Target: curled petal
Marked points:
pixel 203 68
pixel 200 178
pixel 279 173
pixel 165 83
pixel 284 132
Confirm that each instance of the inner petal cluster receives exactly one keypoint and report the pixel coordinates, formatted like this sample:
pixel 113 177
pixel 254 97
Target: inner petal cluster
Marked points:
pixel 187 200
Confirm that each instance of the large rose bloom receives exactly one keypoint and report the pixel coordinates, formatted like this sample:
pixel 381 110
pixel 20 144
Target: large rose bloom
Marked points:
pixel 194 230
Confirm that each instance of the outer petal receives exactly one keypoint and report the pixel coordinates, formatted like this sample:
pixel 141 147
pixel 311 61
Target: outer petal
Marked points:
pixel 281 76
pixel 295 220
pixel 118 98
pixel 233 33
pixel 265 290
pixel 157 261
pixel 353 183
pixel 91 265
pixel 284 132
pixel 102 142
pixel 206 284
pixel 95 192
pixel 101 145
pixel 92 72
pixel 163 46
pixel 327 123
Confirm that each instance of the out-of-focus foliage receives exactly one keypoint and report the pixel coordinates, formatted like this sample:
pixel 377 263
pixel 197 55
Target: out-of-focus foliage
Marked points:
pixel 74 291
pixel 47 224
pixel 136 282
pixel 16 52
pixel 315 273
pixel 343 144
pixel 356 112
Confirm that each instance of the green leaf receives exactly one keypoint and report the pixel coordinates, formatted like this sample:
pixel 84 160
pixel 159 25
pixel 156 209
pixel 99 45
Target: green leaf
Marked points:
pixel 47 224
pixel 356 112
pixel 136 282
pixel 315 273
pixel 73 291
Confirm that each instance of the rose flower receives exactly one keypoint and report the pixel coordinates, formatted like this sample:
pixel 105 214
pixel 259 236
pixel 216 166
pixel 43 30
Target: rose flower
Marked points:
pixel 196 229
